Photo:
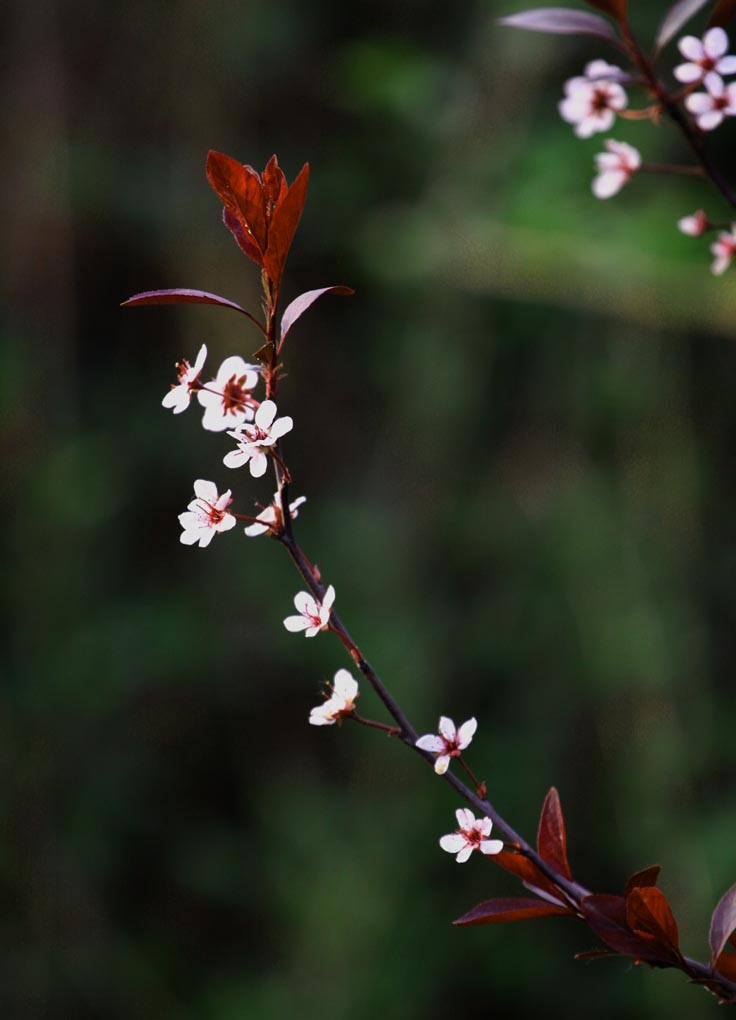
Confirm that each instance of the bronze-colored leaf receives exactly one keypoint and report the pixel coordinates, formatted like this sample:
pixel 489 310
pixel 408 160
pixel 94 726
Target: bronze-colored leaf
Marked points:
pixel 551 835
pixel 182 296
pixel 616 8
pixel 274 181
pixel 510 909
pixel 649 916
pixel 244 240
pixel 726 964
pixel 240 190
pixel 723 922
pixel 723 11
pixel 524 869
pixel 606 915
pixel 283 226
pixel 645 877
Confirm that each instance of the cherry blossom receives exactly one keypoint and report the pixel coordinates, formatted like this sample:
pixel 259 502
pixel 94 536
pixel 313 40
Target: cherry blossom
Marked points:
pixel 448 743
pixel 205 515
pixel 313 616
pixel 592 100
pixel 704 56
pixel 709 108
pixel 254 441
pixel 179 397
pixel 340 703
pixel 615 167
pixel 227 399
pixel 694 225
pixel 724 250
pixel 470 835
pixel 273 516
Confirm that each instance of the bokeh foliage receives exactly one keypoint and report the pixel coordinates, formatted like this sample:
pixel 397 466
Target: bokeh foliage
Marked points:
pixel 516 441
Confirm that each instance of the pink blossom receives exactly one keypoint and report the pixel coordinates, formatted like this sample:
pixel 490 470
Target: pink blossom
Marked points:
pixel 724 250
pixel 694 225
pixel 709 108
pixel 448 743
pixel 593 99
pixel 615 167
pixel 179 397
pixel 470 835
pixel 227 400
pixel 205 515
pixel 254 441
pixel 341 702
pixel 273 517
pixel 704 56
pixel 313 616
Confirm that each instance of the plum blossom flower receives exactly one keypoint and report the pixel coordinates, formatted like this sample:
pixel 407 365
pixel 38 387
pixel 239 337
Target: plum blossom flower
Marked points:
pixel 706 56
pixel 313 616
pixel 227 399
pixel 205 515
pixel 615 167
pixel 448 743
pixel 273 516
pixel 694 225
pixel 340 703
pixel 254 441
pixel 592 100
pixel 709 108
pixel 724 250
pixel 179 397
pixel 470 835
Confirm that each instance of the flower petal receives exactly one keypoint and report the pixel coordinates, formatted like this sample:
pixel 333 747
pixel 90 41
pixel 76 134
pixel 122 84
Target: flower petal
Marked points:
pixel 687 73
pixel 465 818
pixel 447 729
pixel 296 623
pixel 345 685
pixel 715 42
pixel 329 598
pixel 205 490
pixel 432 743
pixel 281 426
pixel 265 414
pixel 464 854
pixel 491 846
pixel 258 464
pixel 442 764
pixel 691 47
pixel 453 842
pixel 466 733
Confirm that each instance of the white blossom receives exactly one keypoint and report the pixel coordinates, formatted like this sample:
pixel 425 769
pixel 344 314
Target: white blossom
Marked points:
pixel 709 108
pixel 341 702
pixel 227 399
pixel 592 100
pixel 255 440
pixel 615 167
pixel 470 835
pixel 706 56
pixel 448 743
pixel 313 616
pixel 724 250
pixel 273 516
pixel 205 515
pixel 693 225
pixel 179 397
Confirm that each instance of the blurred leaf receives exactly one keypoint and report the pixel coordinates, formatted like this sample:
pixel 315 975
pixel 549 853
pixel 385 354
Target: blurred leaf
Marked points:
pixel 677 16
pixel 616 8
pixel 562 21
pixel 722 13
pixel 723 922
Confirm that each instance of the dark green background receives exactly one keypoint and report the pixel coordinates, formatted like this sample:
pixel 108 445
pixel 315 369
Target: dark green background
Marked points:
pixel 517 445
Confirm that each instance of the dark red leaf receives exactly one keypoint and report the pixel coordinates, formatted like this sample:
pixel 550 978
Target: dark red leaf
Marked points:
pixel 562 21
pixel 245 243
pixel 677 16
pixel 300 304
pixel 616 8
pixel 509 909
pixel 723 922
pixel 551 836
pixel 645 877
pixel 726 964
pixel 722 13
pixel 274 181
pixel 648 914
pixel 180 296
pixel 524 869
pixel 240 190
pixel 606 915
pixel 283 225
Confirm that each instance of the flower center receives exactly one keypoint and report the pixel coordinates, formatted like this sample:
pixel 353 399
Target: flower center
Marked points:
pixel 234 396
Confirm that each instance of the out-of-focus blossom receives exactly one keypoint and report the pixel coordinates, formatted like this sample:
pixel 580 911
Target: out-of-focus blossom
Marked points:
pixel 693 225
pixel 592 100
pixel 313 616
pixel 227 400
pixel 341 702
pixel 470 835
pixel 254 440
pixel 709 108
pixel 179 397
pixel 614 167
pixel 206 515
pixel 273 516
pixel 724 250
pixel 448 743
pixel 704 56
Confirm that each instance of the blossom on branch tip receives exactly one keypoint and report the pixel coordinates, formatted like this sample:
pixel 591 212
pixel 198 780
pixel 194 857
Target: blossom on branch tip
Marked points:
pixel 709 108
pixel 592 100
pixel 205 515
pixel 179 396
pixel 724 250
pixel 227 399
pixel 255 440
pixel 341 702
pixel 470 835
pixel 704 56
pixel 693 225
pixel 615 167
pixel 448 743
pixel 313 616
pixel 273 516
